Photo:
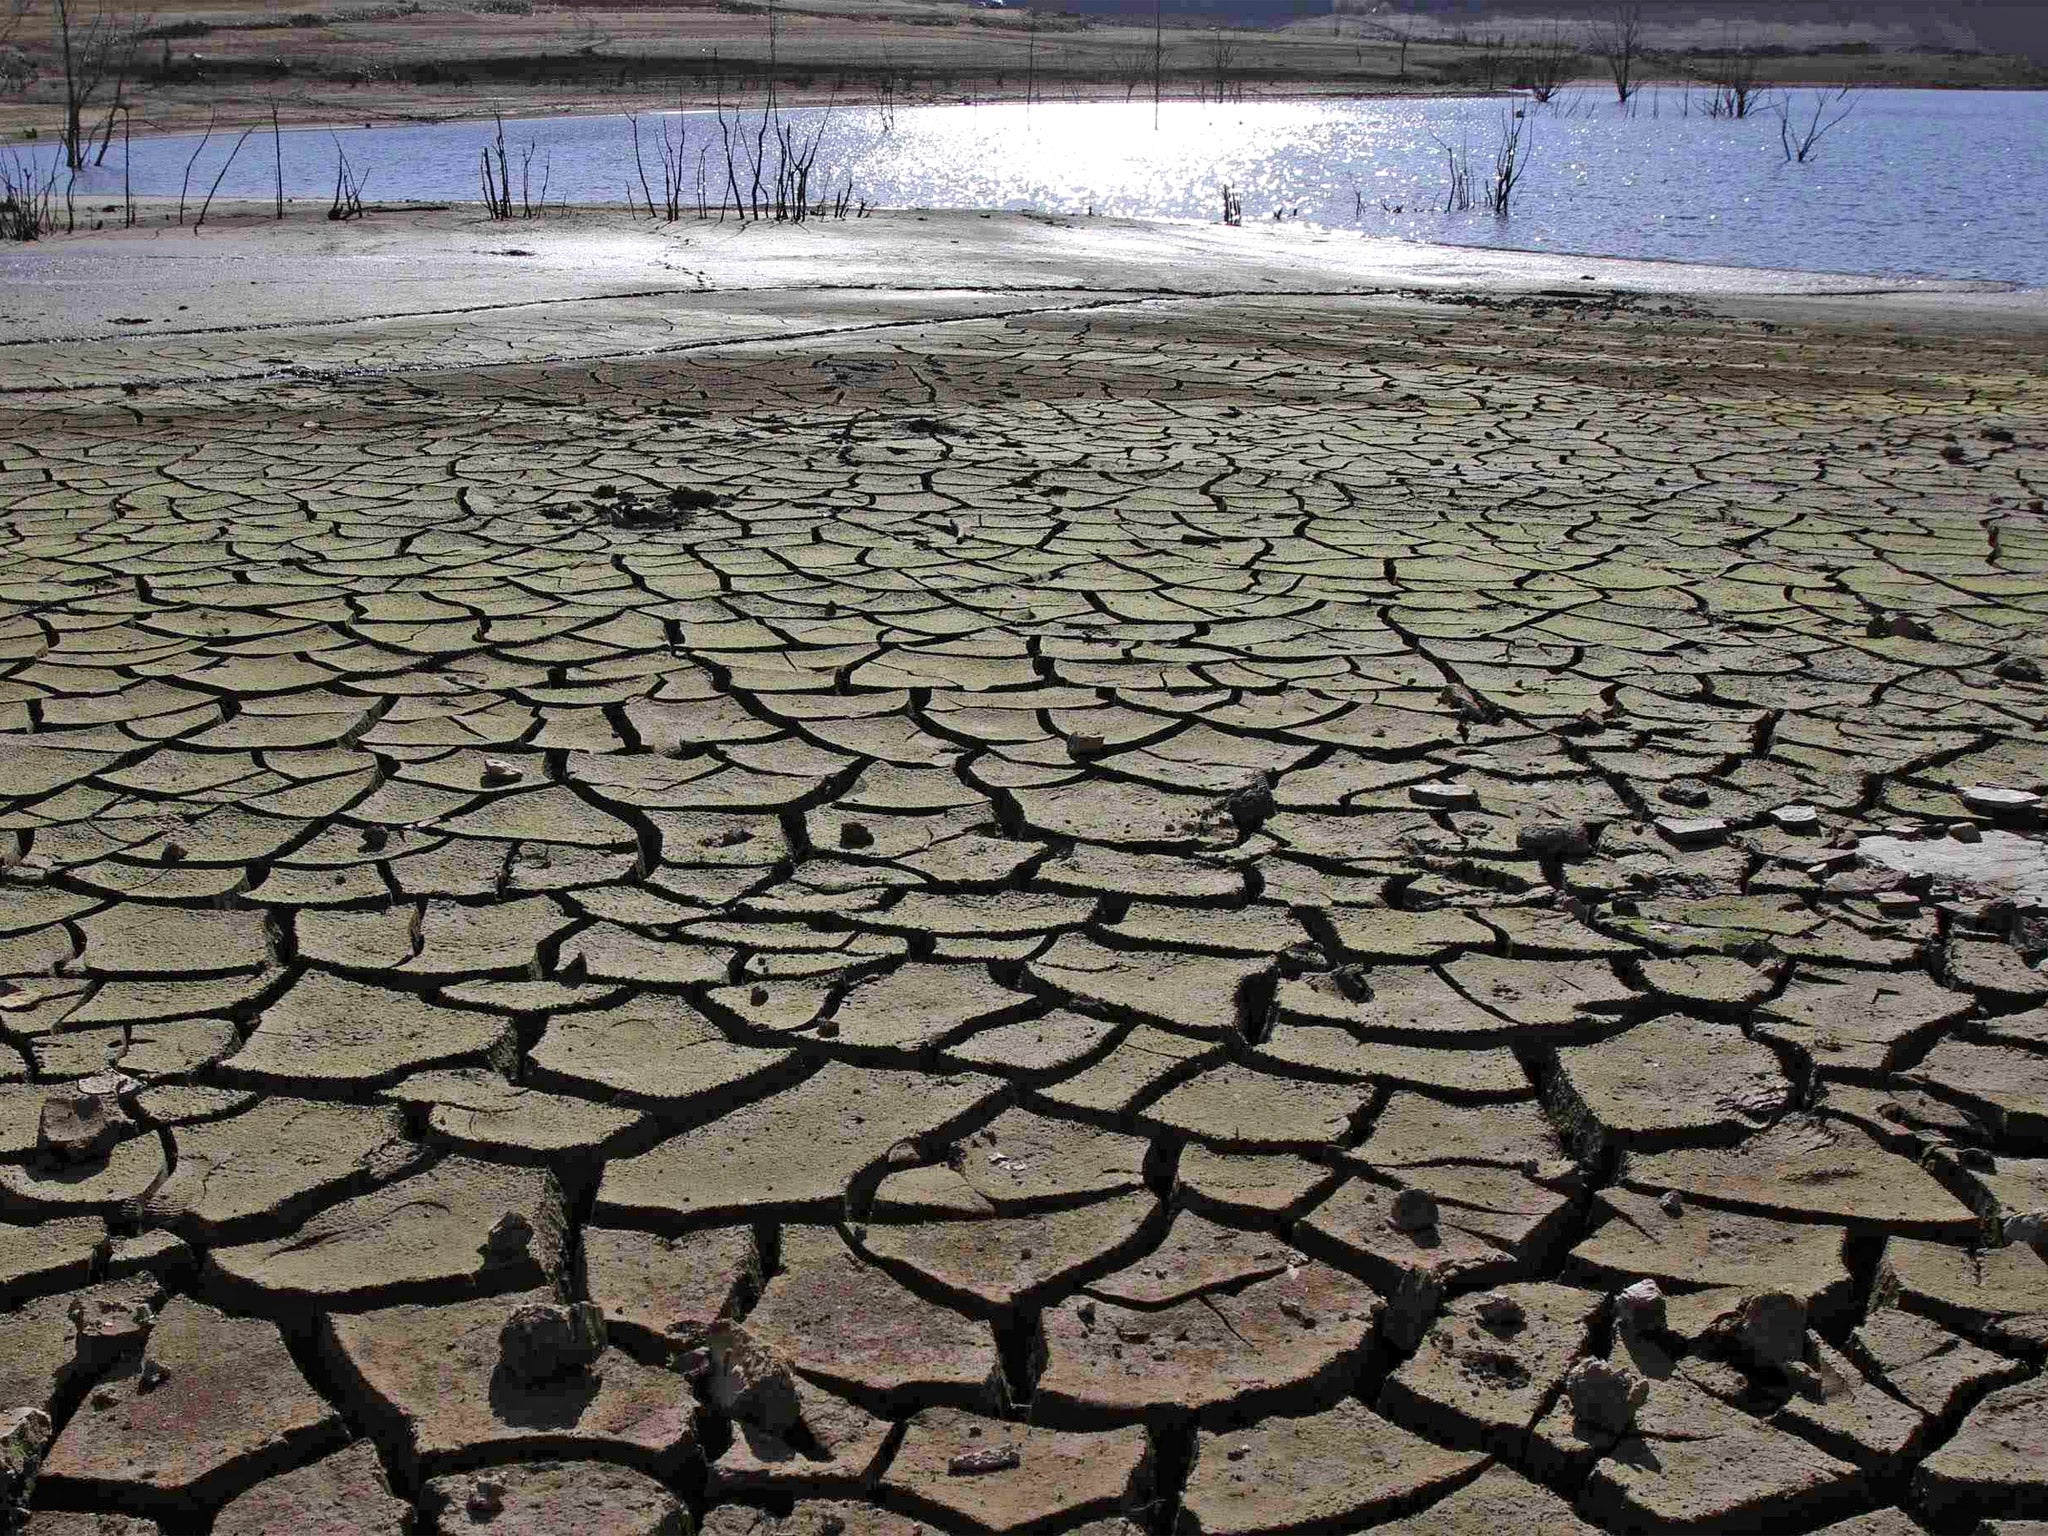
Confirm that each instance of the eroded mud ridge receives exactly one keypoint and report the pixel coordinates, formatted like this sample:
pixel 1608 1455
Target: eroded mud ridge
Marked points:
pixel 1211 917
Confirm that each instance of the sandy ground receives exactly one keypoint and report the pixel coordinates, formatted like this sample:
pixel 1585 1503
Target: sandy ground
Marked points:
pixel 1014 875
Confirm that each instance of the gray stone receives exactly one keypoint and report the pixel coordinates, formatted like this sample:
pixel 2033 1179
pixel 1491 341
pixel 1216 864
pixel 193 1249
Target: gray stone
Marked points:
pixel 1605 1397
pixel 750 1380
pixel 543 1340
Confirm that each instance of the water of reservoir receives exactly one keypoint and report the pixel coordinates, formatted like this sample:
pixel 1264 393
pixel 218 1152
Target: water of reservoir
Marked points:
pixel 1930 183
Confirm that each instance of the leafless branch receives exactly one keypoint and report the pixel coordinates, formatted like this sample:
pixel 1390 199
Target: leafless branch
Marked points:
pixel 1732 79
pixel 1829 108
pixel 1551 67
pixel 95 49
pixel 1620 42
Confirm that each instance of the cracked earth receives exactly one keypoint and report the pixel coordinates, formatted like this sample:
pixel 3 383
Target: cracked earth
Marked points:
pixel 1160 915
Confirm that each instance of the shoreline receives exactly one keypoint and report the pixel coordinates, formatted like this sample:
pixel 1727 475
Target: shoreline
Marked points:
pixel 422 289
pixel 253 213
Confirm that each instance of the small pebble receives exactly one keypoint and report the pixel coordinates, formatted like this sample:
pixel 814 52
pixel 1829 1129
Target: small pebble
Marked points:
pixel 1640 1307
pixel 1414 1210
pixel 1686 792
pixel 486 1499
pixel 1564 839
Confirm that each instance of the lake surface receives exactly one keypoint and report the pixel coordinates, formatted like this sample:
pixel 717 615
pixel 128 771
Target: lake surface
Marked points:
pixel 1928 183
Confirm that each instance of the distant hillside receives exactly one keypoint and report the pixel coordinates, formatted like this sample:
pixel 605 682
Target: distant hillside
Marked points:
pixel 1988 26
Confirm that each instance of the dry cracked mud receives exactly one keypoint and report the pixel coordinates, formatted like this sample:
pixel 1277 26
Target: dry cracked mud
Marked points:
pixel 1234 914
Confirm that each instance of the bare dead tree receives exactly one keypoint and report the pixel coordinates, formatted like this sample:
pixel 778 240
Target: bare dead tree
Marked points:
pixel 1158 55
pixel 1491 52
pixel 1732 79
pixel 674 154
pixel 1830 106
pixel 1030 56
pixel 1510 160
pixel 95 49
pixel 15 69
pixel 1402 31
pixel 1620 43
pixel 277 155
pixel 1130 68
pixel 25 199
pixel 227 165
pixel 348 188
pixel 496 180
pixel 185 186
pixel 1463 189
pixel 1458 169
pixel 1222 61
pixel 1550 68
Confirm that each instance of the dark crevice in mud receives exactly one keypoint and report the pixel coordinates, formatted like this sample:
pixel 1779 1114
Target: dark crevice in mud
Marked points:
pixel 1172 1440
pixel 1020 1347
pixel 1255 1006
pixel 1162 1166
